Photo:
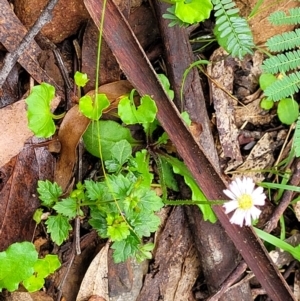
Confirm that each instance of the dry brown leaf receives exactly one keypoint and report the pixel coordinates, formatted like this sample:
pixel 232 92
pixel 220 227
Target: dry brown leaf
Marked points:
pixel 18 198
pixel 24 296
pixel 261 157
pixel 14 130
pixel 95 281
pixel 259 24
pixel 73 127
pixel 109 68
pixel 281 257
pixel 252 113
pixel 12 32
pixel 62 24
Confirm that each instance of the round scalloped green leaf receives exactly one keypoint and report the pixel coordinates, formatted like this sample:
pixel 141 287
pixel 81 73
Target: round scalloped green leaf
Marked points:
pixel 38 112
pixel 288 110
pixel 16 265
pixel 93 110
pixel 144 113
pixel 33 283
pixel 193 11
pixel 81 79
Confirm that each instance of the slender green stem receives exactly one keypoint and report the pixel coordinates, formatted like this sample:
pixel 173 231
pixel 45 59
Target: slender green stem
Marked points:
pixel 190 202
pixel 60 116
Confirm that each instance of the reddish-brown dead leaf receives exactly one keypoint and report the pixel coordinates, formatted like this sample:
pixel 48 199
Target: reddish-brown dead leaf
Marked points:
pixel 18 197
pixel 73 127
pixel 14 130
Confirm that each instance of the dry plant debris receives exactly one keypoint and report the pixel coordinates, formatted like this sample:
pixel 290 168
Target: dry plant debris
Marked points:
pixel 179 257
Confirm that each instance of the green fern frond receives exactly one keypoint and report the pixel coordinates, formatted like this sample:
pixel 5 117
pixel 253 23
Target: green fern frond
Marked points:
pixel 231 30
pixel 286 41
pixel 282 62
pixel 296 141
pixel 281 18
pixel 284 87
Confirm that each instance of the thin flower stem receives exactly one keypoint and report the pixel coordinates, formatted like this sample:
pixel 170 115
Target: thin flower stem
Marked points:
pixel 191 202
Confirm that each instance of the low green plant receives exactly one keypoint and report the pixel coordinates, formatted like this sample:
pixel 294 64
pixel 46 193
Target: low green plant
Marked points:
pixel 184 13
pixel 273 240
pixel 19 264
pixel 122 204
pixel 124 216
pixel 40 117
pixel 284 63
pixel 232 32
pixel 287 108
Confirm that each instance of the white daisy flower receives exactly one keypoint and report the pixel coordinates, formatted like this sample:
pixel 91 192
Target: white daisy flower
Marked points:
pixel 243 199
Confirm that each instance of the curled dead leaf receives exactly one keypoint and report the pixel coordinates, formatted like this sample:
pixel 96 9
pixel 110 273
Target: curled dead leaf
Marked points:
pixel 95 281
pixel 73 127
pixel 114 92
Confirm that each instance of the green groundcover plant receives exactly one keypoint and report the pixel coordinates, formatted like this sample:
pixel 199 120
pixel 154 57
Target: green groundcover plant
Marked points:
pixel 122 204
pixel 19 263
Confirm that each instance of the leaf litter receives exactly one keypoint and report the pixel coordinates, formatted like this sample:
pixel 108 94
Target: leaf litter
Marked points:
pixel 70 157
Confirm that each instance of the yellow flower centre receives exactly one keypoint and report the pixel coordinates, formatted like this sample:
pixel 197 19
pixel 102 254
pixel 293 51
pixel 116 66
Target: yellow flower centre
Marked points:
pixel 245 201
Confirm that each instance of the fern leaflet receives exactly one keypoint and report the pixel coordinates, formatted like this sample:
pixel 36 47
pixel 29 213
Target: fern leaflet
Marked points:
pixel 286 41
pixel 296 141
pixel 282 62
pixel 284 87
pixel 231 30
pixel 281 18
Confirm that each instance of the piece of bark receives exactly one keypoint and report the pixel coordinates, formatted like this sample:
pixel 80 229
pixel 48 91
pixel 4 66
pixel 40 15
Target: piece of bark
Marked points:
pixel 221 70
pixel 219 257
pixel 12 57
pixel 176 264
pixel 12 32
pixel 141 74
pixel 67 17
pixel 125 280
